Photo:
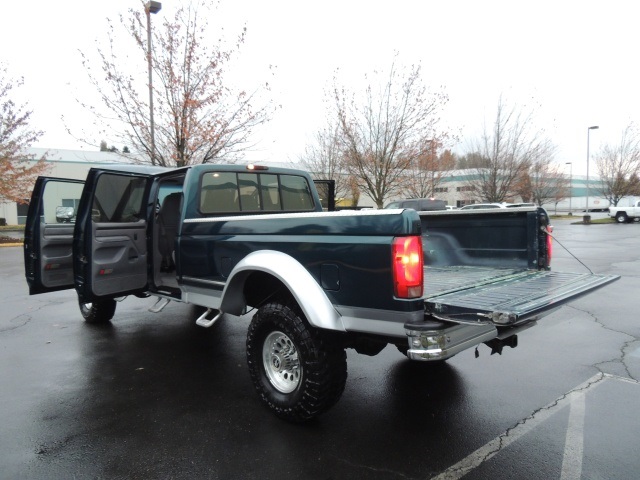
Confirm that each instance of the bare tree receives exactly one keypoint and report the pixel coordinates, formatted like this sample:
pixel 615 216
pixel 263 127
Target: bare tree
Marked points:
pixel 325 160
pixel 385 130
pixel 548 182
pixel 509 149
pixel 432 170
pixel 198 117
pixel 18 169
pixel 619 166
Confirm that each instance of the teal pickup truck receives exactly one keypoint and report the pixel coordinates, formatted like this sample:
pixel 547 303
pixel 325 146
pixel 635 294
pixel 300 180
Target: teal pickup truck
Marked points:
pixel 233 238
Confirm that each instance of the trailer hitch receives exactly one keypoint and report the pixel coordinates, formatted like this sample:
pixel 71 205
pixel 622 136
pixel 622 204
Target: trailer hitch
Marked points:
pixel 497 344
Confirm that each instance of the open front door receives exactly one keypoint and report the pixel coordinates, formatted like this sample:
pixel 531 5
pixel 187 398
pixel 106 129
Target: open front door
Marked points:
pixel 48 234
pixel 327 192
pixel 110 242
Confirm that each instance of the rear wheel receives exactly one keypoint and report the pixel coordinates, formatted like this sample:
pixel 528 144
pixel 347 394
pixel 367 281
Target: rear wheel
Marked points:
pixel 298 372
pixel 100 311
pixel 621 217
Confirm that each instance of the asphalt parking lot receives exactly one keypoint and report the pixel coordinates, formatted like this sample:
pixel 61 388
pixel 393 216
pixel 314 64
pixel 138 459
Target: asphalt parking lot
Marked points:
pixel 155 396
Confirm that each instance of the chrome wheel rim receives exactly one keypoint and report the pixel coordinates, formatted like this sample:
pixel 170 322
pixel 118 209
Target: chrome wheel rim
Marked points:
pixel 281 363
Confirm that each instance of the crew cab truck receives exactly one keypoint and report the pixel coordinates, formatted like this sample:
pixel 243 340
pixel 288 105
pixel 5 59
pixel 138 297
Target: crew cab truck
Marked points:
pixel 231 238
pixel 624 214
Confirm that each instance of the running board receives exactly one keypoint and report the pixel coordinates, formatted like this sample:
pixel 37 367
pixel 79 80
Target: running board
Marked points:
pixel 159 305
pixel 205 322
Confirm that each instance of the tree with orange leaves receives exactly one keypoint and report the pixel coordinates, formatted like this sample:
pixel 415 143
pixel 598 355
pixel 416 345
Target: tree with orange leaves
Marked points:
pixel 18 169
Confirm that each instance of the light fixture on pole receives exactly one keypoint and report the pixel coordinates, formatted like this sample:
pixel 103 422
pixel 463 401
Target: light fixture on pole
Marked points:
pixel 587 217
pixel 151 7
pixel 570 184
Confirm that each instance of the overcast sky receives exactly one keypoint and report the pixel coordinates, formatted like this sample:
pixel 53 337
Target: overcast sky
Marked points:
pixel 577 59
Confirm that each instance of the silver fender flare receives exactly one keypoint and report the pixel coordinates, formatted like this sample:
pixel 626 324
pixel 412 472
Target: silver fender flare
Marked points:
pixel 311 298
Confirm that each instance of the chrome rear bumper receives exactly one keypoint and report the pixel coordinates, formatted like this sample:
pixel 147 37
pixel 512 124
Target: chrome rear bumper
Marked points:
pixel 430 341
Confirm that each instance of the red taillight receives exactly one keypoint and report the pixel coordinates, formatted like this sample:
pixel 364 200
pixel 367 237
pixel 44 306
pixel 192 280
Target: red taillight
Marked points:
pixel 549 245
pixel 408 270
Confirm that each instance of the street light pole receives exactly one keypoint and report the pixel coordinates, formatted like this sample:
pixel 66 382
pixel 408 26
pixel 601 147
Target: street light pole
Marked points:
pixel 432 167
pixel 587 217
pixel 151 7
pixel 570 184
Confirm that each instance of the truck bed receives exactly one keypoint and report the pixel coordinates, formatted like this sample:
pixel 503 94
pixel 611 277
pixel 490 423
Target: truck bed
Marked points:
pixel 487 267
pixel 503 296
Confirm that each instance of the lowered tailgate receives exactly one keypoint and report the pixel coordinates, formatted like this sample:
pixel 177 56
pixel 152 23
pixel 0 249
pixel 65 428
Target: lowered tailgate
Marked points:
pixel 502 296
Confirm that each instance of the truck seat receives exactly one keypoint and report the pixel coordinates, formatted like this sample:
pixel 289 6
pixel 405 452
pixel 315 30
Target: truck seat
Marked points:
pixel 168 219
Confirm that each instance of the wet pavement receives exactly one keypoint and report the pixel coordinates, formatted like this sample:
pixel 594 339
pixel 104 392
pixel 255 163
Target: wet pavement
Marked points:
pixel 155 396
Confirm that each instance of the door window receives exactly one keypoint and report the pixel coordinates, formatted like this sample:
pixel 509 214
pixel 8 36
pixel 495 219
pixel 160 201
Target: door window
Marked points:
pixel 56 204
pixel 118 199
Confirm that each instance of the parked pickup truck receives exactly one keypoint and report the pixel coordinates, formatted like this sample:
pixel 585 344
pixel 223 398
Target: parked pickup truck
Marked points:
pixel 628 213
pixel 234 238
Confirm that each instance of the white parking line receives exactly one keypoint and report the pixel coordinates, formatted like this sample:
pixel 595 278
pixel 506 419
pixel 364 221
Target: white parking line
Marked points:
pixel 574 442
pixel 573 459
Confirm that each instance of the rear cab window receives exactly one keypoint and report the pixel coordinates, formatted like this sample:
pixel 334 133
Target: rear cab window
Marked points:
pixel 228 192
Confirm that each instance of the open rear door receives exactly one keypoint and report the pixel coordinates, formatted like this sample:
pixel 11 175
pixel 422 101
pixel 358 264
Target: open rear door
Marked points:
pixel 48 234
pixel 110 241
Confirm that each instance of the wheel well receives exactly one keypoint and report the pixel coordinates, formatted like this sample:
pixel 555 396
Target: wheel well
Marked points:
pixel 261 287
